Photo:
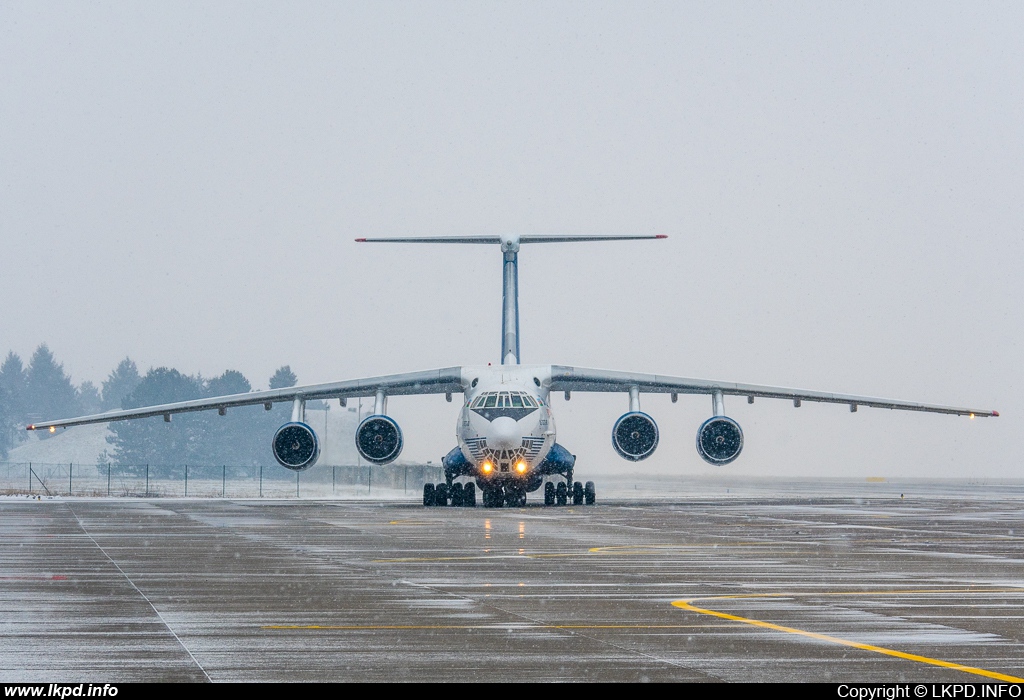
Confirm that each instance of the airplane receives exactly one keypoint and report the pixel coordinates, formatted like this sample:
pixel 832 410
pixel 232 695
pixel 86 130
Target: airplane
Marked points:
pixel 506 431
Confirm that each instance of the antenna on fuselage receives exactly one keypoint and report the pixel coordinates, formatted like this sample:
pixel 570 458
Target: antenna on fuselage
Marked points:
pixel 510 273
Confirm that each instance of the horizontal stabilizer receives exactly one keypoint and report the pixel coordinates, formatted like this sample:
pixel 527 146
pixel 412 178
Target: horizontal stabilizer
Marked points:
pixel 531 238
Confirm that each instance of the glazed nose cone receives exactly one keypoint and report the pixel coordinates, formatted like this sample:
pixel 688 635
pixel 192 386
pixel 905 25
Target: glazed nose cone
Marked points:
pixel 504 434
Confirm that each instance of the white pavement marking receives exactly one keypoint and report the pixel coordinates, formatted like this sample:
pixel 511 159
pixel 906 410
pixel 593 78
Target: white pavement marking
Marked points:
pixel 139 591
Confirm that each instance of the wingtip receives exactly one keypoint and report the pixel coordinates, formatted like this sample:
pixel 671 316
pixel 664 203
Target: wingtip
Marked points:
pixel 662 235
pixel 995 414
pixel 360 240
pixel 30 427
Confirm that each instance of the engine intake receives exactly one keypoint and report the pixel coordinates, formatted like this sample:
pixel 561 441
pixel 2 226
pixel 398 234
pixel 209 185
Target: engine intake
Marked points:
pixel 635 436
pixel 719 440
pixel 379 439
pixel 296 446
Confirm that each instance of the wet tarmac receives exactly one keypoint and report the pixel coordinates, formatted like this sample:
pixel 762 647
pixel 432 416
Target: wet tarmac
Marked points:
pixel 808 584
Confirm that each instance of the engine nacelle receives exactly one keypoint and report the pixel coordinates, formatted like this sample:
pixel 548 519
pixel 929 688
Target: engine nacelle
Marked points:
pixel 296 446
pixel 635 436
pixel 719 440
pixel 379 439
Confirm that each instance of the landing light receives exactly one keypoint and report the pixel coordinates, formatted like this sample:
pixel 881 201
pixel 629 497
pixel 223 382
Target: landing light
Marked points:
pixel 487 467
pixel 53 429
pixel 521 467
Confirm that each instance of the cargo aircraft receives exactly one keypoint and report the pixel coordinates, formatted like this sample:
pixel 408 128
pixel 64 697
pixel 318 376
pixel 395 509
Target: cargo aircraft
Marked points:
pixel 506 431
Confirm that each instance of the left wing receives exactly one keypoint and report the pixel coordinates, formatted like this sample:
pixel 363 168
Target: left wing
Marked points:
pixel 435 381
pixel 565 378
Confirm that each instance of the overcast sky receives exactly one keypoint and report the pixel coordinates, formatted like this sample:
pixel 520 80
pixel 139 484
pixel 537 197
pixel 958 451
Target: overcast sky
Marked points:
pixel 842 186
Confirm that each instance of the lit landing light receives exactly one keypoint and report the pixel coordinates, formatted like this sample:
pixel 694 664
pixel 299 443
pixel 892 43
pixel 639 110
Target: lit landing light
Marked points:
pixel 972 416
pixel 521 467
pixel 487 468
pixel 53 428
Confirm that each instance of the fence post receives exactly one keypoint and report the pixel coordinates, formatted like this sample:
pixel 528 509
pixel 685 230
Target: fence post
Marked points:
pixel 71 466
pixel 223 478
pixel 297 484
pixel 147 481
pixel 333 478
pixel 30 477
pixel 186 481
pixel 261 481
pixel 369 479
pixel 108 479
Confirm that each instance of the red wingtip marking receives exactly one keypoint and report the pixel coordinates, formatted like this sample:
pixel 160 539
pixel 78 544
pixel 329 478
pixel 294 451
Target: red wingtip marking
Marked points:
pixel 995 413
pixel 360 240
pixel 662 235
pixel 30 427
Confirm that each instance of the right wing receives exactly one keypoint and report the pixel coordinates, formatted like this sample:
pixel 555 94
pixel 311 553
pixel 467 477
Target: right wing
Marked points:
pixel 564 378
pixel 435 381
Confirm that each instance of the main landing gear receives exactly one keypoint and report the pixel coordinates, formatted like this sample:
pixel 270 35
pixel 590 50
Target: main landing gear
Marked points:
pixel 457 495
pixel 579 494
pixel 508 495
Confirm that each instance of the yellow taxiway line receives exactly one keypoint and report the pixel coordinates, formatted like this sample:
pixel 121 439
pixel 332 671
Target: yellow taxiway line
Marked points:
pixel 688 605
pixel 496 627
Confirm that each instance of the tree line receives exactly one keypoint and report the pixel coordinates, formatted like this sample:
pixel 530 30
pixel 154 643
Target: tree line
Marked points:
pixel 42 390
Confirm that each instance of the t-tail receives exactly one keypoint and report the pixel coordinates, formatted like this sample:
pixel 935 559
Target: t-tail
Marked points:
pixel 510 274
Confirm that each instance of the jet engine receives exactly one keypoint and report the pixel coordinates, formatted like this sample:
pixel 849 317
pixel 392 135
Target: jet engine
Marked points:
pixel 296 446
pixel 635 436
pixel 379 439
pixel 719 440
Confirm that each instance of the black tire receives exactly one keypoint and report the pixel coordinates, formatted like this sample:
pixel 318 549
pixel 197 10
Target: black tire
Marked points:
pixel 428 494
pixel 493 497
pixel 549 494
pixel 441 495
pixel 515 498
pixel 577 493
pixel 456 492
pixel 469 496
pixel 561 494
pixel 589 493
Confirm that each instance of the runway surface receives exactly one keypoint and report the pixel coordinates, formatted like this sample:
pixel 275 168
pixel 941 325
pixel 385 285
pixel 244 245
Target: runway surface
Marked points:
pixel 826 584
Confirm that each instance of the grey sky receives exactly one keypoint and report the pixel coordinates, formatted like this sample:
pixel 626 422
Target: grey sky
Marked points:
pixel 842 187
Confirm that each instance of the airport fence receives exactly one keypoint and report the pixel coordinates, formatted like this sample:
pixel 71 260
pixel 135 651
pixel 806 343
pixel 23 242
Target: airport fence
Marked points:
pixel 220 481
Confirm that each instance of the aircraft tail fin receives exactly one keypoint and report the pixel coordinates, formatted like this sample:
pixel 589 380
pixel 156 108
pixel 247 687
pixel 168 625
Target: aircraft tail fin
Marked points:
pixel 510 275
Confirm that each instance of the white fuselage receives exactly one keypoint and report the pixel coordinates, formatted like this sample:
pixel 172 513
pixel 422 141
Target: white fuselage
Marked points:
pixel 505 428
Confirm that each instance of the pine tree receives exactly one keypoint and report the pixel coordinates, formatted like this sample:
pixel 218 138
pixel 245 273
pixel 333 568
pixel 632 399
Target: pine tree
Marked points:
pixel 121 382
pixel 49 392
pixel 89 401
pixel 236 438
pixel 283 378
pixel 164 446
pixel 12 384
pixel 6 425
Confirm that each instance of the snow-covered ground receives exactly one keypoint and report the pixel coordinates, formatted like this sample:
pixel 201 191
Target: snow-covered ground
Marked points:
pixel 80 445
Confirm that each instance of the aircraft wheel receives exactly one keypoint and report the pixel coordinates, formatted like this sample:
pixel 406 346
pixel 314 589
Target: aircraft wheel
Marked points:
pixel 577 493
pixel 561 494
pixel 493 497
pixel 589 493
pixel 428 494
pixel 469 496
pixel 457 492
pixel 441 495
pixel 549 494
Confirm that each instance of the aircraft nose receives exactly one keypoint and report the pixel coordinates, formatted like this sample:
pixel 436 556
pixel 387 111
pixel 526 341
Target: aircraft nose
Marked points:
pixel 504 434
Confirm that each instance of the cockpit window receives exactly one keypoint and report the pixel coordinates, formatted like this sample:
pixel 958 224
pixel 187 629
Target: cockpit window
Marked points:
pixel 505 399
